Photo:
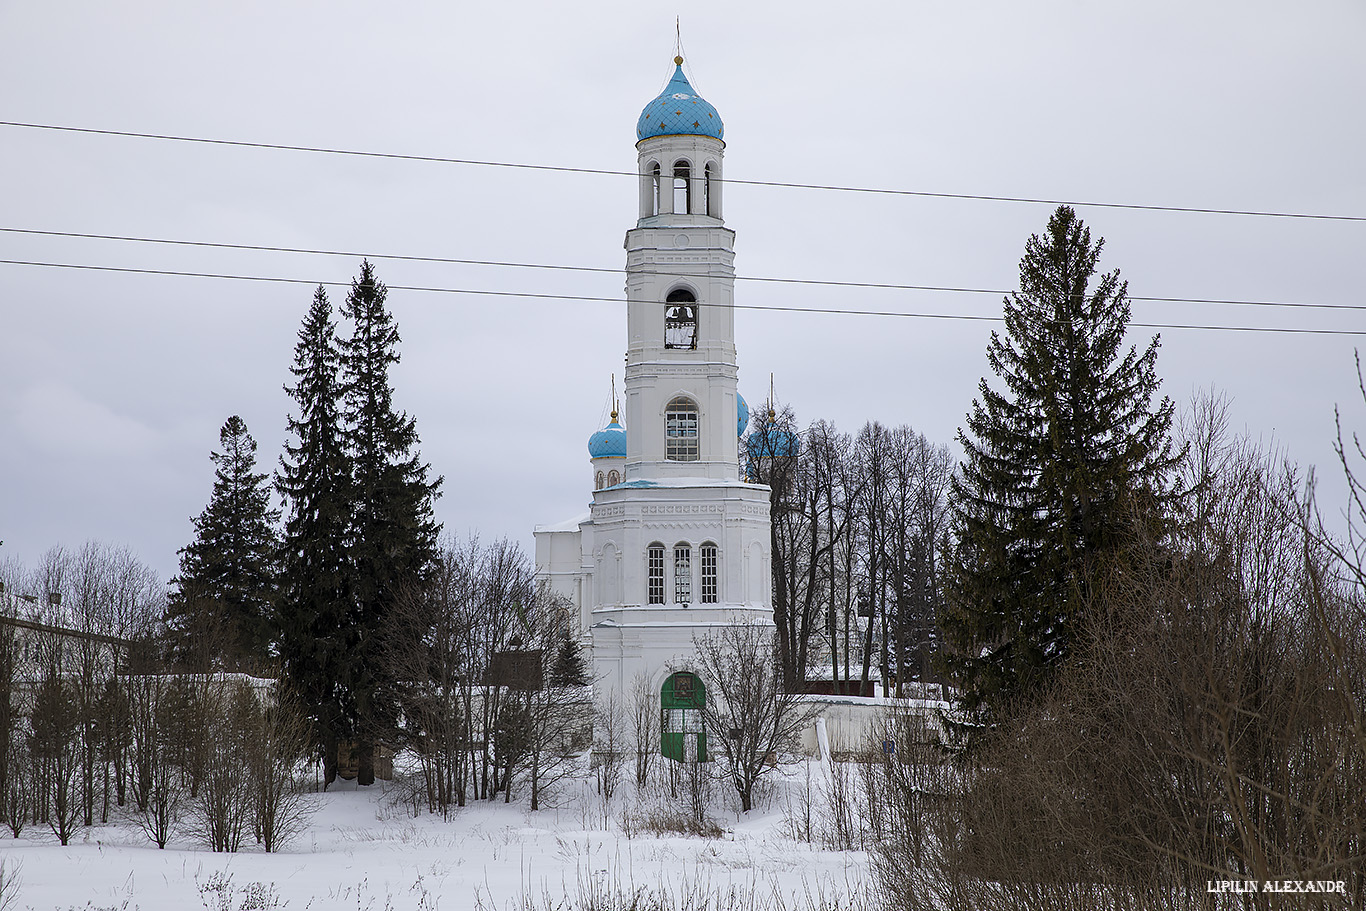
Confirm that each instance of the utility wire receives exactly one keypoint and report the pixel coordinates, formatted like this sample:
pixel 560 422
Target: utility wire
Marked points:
pixel 619 300
pixel 730 180
pixel 603 270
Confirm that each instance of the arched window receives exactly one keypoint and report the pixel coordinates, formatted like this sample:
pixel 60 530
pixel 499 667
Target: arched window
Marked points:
pixel 708 195
pixel 654 573
pixel 613 478
pixel 654 188
pixel 709 586
pixel 680 319
pixel 598 484
pixel 680 431
pixel 682 187
pixel 682 574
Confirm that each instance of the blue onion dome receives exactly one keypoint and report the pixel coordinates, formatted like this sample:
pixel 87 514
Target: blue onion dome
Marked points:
pixel 742 415
pixel 773 442
pixel 609 442
pixel 679 111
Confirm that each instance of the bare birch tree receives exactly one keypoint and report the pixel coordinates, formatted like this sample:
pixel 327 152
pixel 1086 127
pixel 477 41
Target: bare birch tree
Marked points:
pixel 750 716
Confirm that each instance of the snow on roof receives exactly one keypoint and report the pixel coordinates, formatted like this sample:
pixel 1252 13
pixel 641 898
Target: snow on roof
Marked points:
pixel 567 525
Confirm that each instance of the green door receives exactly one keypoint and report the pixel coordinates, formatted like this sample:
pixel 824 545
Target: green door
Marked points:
pixel 681 734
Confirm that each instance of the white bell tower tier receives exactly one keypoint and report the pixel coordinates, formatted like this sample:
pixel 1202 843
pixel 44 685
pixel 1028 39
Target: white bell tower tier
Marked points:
pixel 682 544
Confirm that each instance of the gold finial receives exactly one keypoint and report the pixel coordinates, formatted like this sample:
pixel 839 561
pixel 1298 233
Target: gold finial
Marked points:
pixel 772 415
pixel 678 60
pixel 614 398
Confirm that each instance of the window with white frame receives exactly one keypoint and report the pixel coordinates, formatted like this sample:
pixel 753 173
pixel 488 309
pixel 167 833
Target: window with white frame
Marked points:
pixel 709 584
pixel 680 431
pixel 682 574
pixel 655 574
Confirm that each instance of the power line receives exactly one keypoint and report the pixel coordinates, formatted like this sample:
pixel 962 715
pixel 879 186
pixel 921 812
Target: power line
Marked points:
pixel 618 300
pixel 398 257
pixel 927 194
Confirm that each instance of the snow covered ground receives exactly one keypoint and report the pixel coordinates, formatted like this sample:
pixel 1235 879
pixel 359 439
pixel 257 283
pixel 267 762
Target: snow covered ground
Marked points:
pixel 363 851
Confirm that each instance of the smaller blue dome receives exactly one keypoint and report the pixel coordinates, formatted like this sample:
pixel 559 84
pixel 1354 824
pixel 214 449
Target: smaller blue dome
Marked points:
pixel 678 110
pixel 609 442
pixel 741 414
pixel 773 443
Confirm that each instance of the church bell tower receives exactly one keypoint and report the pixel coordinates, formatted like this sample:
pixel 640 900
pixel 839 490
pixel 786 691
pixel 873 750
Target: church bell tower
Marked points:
pixel 682 544
pixel 680 286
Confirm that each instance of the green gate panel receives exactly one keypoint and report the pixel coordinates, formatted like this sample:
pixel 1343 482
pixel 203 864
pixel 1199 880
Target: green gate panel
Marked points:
pixel 682 737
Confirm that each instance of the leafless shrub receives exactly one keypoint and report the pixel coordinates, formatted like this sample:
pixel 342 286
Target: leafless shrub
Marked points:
pixel 672 818
pixel 430 651
pixel 162 801
pixel 609 745
pixel 9 884
pixel 690 785
pixel 54 746
pixel 644 709
pixel 278 737
pixel 20 781
pixel 222 806
pixel 831 806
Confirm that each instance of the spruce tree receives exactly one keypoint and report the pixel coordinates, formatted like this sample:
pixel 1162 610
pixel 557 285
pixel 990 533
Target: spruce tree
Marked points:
pixel 219 612
pixel 1058 466
pixel 313 619
pixel 393 541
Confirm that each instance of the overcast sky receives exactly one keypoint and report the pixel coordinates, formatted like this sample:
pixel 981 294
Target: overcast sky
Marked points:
pixel 113 385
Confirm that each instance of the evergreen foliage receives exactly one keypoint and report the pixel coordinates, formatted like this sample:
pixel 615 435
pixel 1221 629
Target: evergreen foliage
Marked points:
pixel 223 594
pixel 1057 465
pixel 393 539
pixel 313 627
pixel 569 667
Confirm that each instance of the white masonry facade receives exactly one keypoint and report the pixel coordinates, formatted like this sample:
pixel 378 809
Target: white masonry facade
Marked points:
pixel 676 542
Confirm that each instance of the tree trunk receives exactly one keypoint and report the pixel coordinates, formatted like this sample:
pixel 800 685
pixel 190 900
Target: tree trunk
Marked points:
pixel 330 747
pixel 365 761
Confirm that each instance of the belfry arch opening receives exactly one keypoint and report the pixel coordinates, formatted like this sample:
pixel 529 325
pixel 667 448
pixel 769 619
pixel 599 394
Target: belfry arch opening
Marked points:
pixel 680 319
pixel 682 187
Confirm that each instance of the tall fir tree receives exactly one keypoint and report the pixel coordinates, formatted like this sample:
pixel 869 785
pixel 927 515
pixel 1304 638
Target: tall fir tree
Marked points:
pixel 219 610
pixel 314 614
pixel 1058 466
pixel 393 540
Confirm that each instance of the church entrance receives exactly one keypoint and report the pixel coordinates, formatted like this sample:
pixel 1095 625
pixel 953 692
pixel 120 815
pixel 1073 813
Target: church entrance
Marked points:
pixel 683 737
